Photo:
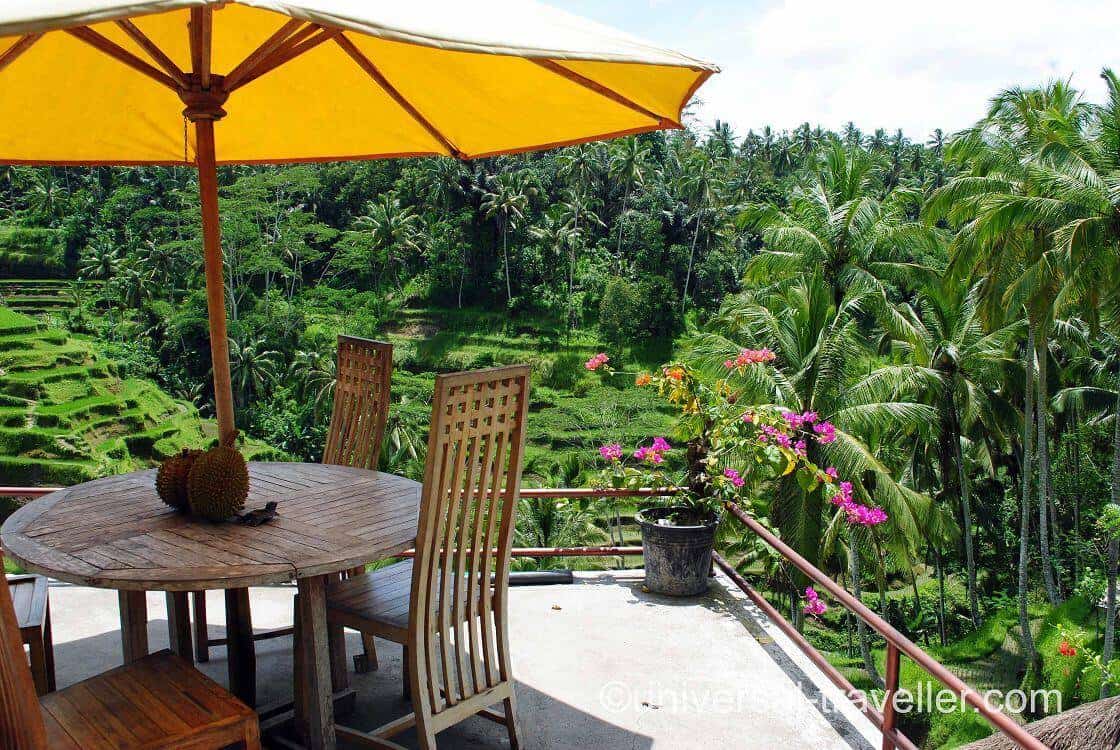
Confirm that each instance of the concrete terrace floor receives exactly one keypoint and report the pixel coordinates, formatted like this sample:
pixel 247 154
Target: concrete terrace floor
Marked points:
pixel 599 664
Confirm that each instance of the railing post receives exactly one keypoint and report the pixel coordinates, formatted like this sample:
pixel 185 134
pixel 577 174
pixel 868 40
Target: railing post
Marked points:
pixel 888 698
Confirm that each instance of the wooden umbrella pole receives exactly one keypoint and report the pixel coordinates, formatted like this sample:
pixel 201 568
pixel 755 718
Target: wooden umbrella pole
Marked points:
pixel 215 280
pixel 204 107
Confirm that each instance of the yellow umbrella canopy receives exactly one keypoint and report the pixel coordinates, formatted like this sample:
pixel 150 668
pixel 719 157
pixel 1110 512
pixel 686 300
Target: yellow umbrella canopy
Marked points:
pixel 106 82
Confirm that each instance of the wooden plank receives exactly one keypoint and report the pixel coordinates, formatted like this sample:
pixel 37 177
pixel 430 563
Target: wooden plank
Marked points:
pixel 179 624
pixel 240 646
pixel 318 723
pixel 134 625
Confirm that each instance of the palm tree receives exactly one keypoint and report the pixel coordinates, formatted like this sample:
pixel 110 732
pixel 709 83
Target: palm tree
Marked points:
pixel 628 164
pixel 835 225
pixel 506 203
pixel 958 366
pixel 315 373
pixel 1006 222
pixel 395 230
pixel 254 367
pixel 701 183
pixel 45 196
pixel 100 260
pixel 821 366
pixel 580 166
pixel 577 208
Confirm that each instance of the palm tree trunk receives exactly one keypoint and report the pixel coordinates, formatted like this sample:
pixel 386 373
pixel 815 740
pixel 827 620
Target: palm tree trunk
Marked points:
pixel 861 626
pixel 691 256
pixel 625 200
pixel 1025 514
pixel 1113 550
pixel 505 259
pixel 1044 474
pixel 942 635
pixel 966 517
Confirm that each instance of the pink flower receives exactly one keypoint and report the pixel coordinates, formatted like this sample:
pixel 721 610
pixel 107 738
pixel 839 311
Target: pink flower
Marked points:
pixel 597 361
pixel 826 432
pixel 749 357
pixel 800 448
pixel 733 475
pixel 653 452
pixel 813 603
pixel 748 417
pixel 612 452
pixel 832 472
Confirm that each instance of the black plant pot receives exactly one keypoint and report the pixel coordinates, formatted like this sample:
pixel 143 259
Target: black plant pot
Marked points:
pixel 678 558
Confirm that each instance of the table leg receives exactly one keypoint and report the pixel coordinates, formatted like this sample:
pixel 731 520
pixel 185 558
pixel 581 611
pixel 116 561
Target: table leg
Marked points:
pixel 179 624
pixel 240 648
pixel 134 624
pixel 317 724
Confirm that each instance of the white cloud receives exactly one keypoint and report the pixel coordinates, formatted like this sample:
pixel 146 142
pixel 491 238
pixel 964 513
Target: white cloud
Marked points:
pixel 889 64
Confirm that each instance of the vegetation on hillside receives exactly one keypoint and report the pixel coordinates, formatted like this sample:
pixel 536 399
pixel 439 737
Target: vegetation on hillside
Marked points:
pixel 952 307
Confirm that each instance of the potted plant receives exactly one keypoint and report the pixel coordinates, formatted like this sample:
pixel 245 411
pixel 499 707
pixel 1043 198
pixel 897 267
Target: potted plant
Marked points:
pixel 731 449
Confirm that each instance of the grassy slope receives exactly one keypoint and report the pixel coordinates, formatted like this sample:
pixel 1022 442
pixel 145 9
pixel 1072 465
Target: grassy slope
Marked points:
pixel 65 416
pixel 572 411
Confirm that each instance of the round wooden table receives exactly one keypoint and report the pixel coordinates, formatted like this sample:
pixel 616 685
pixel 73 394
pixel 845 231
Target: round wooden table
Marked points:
pixel 116 533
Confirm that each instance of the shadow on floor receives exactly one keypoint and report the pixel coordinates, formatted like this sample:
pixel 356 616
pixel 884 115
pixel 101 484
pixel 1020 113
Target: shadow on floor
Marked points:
pixel 544 721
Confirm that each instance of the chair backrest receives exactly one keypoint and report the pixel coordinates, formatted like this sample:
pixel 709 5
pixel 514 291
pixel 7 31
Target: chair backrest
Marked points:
pixel 361 403
pixel 21 722
pixel 458 620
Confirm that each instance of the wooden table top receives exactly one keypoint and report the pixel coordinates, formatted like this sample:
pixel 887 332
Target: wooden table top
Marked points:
pixel 116 532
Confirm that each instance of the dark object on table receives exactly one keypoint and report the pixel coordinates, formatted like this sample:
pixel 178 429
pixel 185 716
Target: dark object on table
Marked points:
pixel 258 516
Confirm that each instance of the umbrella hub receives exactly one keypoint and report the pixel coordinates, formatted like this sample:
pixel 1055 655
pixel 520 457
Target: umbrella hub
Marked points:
pixel 204 103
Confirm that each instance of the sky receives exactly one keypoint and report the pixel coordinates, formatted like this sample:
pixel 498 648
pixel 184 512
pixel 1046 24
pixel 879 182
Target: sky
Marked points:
pixel 903 64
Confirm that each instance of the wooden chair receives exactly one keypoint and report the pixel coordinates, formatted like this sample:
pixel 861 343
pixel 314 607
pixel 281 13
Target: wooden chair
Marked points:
pixel 360 410
pixel 33 617
pixel 448 606
pixel 158 702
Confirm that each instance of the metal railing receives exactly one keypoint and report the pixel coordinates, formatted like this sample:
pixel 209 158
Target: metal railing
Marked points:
pixel 897 644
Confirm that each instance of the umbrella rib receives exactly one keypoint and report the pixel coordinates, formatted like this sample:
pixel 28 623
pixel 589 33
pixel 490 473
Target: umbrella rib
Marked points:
pixel 604 91
pixel 266 48
pixel 202 24
pixel 157 55
pixel 373 72
pixel 302 41
pixel 22 45
pixel 114 50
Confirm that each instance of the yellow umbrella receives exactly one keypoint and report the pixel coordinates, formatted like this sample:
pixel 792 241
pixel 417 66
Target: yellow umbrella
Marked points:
pixel 110 82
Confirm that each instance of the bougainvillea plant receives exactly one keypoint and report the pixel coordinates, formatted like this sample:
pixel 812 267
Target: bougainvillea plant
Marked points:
pixel 730 444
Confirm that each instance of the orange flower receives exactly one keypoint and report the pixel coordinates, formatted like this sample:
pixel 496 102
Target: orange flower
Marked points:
pixel 674 373
pixel 644 379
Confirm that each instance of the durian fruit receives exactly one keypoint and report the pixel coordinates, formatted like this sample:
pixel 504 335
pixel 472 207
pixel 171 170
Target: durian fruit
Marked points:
pixel 218 484
pixel 171 478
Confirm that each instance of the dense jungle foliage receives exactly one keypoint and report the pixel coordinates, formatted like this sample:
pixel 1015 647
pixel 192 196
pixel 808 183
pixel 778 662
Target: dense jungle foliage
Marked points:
pixel 951 305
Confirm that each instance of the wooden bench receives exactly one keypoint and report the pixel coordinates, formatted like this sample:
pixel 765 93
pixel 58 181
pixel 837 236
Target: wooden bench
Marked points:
pixel 33 616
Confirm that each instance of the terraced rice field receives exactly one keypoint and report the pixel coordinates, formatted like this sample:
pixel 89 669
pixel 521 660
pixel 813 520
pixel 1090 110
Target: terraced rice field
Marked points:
pixel 66 416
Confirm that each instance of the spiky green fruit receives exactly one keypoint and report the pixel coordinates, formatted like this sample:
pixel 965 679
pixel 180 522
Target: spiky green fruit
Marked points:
pixel 218 484
pixel 171 478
